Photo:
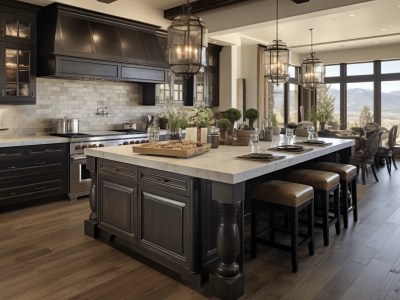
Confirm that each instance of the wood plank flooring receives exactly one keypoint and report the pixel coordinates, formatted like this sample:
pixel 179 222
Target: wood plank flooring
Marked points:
pixel 45 255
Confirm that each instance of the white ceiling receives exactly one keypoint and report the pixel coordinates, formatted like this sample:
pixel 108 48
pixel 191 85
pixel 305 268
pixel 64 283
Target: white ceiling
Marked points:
pixel 338 24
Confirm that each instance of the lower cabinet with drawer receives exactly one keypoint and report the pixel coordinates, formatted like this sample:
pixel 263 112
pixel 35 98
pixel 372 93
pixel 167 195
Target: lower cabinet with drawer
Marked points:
pixel 33 172
pixel 154 212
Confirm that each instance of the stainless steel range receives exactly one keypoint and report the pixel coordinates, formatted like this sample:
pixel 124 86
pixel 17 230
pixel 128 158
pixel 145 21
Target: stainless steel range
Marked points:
pixel 79 176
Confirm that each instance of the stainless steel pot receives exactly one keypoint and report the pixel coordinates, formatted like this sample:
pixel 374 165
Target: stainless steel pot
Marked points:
pixel 67 125
pixel 61 126
pixel 73 126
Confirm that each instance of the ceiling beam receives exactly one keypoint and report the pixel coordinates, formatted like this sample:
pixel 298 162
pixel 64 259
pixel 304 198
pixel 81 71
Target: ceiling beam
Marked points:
pixel 198 7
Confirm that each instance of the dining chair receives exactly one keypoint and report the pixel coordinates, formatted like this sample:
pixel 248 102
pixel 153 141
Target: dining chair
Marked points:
pixel 387 152
pixel 363 158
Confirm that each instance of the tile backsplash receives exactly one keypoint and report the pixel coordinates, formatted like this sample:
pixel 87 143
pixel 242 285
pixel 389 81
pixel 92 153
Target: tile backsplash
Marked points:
pixel 58 98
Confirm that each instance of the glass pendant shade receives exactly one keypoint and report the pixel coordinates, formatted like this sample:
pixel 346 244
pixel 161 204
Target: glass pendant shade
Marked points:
pixel 187 44
pixel 277 58
pixel 312 71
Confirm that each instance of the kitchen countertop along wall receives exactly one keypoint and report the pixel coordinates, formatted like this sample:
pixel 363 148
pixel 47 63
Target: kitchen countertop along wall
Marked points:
pixel 57 98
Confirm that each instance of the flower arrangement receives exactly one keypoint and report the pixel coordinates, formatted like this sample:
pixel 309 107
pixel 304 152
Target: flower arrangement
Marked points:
pixel 202 116
pixel 177 117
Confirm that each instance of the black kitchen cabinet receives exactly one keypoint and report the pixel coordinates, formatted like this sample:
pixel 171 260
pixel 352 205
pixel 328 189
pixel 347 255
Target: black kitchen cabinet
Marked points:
pixel 17 53
pixel 199 89
pixel 117 199
pixel 33 172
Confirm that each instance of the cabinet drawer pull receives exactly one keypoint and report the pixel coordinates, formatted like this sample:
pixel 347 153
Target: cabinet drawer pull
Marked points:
pixel 164 180
pixel 40 163
pixel 3 32
pixel 11 167
pixel 39 188
pixel 33 94
pixel 13 193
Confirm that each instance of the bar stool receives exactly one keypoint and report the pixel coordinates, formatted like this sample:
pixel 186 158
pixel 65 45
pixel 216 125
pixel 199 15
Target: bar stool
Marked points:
pixel 290 198
pixel 323 183
pixel 348 187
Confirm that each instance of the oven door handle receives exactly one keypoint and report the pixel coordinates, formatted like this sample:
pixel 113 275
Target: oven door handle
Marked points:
pixel 78 157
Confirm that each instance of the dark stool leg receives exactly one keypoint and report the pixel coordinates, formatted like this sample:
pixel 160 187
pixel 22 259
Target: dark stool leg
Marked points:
pixel 253 245
pixel 272 224
pixel 373 172
pixel 394 161
pixel 324 197
pixel 344 201
pixel 310 227
pixel 354 199
pixel 336 204
pixel 294 239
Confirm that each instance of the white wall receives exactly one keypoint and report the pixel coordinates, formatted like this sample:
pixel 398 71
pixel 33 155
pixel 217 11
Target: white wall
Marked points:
pixel 228 76
pixel 248 71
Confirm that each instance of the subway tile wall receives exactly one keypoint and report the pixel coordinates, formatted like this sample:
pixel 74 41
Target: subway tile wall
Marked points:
pixel 58 98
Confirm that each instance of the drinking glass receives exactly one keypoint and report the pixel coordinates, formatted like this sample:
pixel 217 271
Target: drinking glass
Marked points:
pixel 254 143
pixel 310 130
pixel 289 134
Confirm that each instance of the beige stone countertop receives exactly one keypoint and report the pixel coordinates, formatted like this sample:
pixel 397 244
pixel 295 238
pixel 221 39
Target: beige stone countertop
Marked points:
pixel 31 140
pixel 219 164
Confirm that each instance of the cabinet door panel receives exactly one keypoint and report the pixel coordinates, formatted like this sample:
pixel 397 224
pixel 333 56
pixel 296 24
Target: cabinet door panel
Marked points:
pixel 164 224
pixel 118 207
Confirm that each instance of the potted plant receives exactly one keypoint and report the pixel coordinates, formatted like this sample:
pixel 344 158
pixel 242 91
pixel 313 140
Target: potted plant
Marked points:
pixel 178 119
pixel 233 115
pixel 223 125
pixel 323 111
pixel 274 122
pixel 251 114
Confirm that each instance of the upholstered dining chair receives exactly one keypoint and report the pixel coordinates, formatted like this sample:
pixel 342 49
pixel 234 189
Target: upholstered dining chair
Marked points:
pixel 363 158
pixel 386 152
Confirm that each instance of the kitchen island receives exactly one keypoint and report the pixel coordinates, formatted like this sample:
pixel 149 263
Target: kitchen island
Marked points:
pixel 186 214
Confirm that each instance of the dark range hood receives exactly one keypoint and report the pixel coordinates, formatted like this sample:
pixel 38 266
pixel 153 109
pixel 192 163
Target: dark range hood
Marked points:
pixel 84 44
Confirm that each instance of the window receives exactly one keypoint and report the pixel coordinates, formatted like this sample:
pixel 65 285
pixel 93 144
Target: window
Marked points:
pixel 391 66
pixel 332 71
pixel 360 104
pixel 390 99
pixel 293 103
pixel 360 69
pixel 279 104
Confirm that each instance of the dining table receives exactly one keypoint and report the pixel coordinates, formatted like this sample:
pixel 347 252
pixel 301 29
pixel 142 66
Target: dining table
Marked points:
pixel 229 175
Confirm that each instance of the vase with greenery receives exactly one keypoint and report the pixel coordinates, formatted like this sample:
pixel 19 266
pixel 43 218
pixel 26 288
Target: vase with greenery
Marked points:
pixel 233 115
pixel 323 111
pixel 201 116
pixel 274 122
pixel 252 115
pixel 178 119
pixel 223 125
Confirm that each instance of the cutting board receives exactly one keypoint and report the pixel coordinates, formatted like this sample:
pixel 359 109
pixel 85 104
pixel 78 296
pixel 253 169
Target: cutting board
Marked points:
pixel 151 149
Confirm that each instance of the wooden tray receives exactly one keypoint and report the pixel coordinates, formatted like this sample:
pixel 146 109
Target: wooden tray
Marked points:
pixel 185 153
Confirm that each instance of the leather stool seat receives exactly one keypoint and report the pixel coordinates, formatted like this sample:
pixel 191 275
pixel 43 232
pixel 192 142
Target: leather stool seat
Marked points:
pixel 346 172
pixel 290 198
pixel 284 193
pixel 348 187
pixel 323 183
pixel 319 180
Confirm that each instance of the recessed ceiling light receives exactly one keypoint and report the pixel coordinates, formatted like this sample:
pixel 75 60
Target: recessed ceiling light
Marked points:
pixel 351 15
pixel 297 41
pixel 384 29
pixel 333 19
pixel 376 42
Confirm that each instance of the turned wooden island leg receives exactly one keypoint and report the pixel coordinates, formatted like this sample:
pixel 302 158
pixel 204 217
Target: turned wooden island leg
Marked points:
pixel 91 223
pixel 228 281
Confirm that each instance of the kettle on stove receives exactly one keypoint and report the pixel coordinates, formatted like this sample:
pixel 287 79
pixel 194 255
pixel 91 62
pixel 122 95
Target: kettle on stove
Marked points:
pixel 149 121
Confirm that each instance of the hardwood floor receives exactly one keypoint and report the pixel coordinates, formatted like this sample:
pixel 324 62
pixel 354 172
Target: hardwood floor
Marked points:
pixel 45 255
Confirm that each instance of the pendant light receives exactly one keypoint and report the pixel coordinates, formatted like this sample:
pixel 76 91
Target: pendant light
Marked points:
pixel 312 70
pixel 187 43
pixel 276 59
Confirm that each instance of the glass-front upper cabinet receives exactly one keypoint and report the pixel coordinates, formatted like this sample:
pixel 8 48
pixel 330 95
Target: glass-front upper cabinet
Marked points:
pixel 15 28
pixel 17 83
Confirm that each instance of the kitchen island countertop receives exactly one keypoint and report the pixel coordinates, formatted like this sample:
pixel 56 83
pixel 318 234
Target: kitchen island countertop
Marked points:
pixel 218 164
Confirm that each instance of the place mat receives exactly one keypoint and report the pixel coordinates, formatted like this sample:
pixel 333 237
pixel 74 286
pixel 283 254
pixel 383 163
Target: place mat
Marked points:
pixel 293 152
pixel 317 144
pixel 264 159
